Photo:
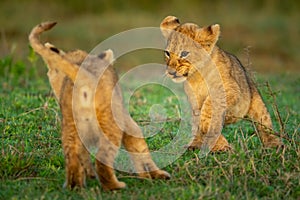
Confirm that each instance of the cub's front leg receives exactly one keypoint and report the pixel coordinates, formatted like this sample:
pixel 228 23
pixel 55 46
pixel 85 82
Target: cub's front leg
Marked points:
pixel 207 126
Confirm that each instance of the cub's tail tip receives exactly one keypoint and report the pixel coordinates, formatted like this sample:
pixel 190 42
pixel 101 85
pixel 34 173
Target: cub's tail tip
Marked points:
pixel 47 25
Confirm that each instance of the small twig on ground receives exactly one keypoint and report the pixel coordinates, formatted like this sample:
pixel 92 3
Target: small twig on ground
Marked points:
pixel 35 178
pixel 142 121
pixel 247 50
pixel 281 135
pixel 188 172
pixel 275 106
pixel 221 167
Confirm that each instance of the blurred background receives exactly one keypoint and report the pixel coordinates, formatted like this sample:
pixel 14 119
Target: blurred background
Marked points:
pixel 264 34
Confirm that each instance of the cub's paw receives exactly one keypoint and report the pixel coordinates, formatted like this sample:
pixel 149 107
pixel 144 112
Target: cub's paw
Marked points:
pixel 160 174
pixel 194 145
pixel 114 186
pixel 272 141
pixel 221 145
pixel 216 148
pixel 157 174
pixel 89 171
pixel 221 148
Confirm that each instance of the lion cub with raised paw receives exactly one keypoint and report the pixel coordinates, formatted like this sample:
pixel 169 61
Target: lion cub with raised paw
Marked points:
pixel 218 87
pixel 92 113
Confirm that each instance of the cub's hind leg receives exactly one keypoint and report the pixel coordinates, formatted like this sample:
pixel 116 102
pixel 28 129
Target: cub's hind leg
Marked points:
pixel 76 156
pixel 260 115
pixel 136 146
pixel 77 160
pixel 87 163
pixel 109 145
pixel 72 146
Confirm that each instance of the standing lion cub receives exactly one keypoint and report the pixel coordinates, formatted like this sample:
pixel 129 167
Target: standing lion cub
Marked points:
pixel 92 114
pixel 216 83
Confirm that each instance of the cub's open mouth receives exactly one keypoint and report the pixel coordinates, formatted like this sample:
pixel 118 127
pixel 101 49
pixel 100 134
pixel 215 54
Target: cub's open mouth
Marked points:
pixel 177 78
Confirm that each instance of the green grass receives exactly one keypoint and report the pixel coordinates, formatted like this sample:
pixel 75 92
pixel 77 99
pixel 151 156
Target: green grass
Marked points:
pixel 32 164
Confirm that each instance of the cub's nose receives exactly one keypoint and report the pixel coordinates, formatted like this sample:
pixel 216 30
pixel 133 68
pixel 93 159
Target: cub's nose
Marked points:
pixel 171 71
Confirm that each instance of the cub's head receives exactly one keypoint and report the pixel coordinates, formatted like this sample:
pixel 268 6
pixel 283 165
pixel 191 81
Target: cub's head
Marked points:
pixel 187 45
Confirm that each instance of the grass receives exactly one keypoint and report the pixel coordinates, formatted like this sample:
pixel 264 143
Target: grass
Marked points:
pixel 31 157
pixel 32 164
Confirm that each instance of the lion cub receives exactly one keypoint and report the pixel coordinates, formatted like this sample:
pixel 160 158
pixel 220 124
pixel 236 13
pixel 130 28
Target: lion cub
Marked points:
pixel 92 114
pixel 217 85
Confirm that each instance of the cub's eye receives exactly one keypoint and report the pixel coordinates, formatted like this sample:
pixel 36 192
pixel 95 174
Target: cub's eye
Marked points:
pixel 167 54
pixel 184 54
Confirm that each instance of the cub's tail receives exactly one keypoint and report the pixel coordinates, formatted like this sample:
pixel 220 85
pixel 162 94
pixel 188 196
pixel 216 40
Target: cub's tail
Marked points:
pixel 36 32
pixel 51 55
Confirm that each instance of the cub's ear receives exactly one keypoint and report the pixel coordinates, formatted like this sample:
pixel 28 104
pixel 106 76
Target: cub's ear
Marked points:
pixel 169 24
pixel 107 55
pixel 215 30
pixel 208 36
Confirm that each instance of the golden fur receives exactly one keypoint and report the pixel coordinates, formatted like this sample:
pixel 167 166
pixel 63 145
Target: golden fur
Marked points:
pixel 92 85
pixel 217 85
